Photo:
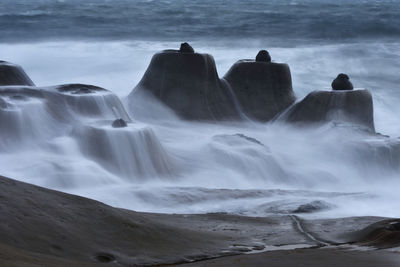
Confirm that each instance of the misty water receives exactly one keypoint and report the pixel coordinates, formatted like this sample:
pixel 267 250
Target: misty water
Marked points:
pixel 160 163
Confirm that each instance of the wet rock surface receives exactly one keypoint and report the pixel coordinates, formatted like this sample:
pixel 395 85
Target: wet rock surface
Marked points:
pixel 263 89
pixel 187 83
pixel 47 227
pixel 353 107
pixel 12 74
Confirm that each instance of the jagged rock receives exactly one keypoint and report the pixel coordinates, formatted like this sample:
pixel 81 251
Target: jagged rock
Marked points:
pixel 119 123
pixel 352 106
pixel 342 82
pixel 263 89
pixel 12 74
pixel 263 56
pixel 188 83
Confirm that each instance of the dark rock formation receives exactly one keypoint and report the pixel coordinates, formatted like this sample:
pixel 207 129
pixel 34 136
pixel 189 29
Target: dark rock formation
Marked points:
pixel 11 74
pixel 354 107
pixel 85 99
pixel 50 227
pixel 187 83
pixel 3 103
pixel 186 48
pixel 263 56
pixel 263 89
pixel 119 123
pixel 342 82
pixel 383 234
pixel 313 206
pixel 77 88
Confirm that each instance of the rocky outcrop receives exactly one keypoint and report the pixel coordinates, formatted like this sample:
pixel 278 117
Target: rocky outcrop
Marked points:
pixel 350 106
pixel 11 74
pixel 263 89
pixel 187 83
pixel 383 234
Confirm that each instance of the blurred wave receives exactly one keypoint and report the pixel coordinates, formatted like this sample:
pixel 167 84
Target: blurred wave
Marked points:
pixel 277 21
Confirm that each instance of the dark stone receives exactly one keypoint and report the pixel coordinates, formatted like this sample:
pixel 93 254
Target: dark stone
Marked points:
pixel 313 206
pixel 263 89
pixel 119 123
pixel 3 103
pixel 354 107
pixel 11 74
pixel 186 48
pixel 77 88
pixel 105 257
pixel 263 56
pixel 342 82
pixel 188 83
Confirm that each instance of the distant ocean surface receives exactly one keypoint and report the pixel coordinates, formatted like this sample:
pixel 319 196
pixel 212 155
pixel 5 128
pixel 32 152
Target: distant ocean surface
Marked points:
pixel 287 22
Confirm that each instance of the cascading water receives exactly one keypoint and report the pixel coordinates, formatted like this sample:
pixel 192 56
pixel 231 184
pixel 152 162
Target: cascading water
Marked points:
pixel 56 127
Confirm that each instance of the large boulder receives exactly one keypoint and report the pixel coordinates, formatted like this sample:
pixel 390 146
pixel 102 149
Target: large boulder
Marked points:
pixel 11 74
pixel 187 83
pixel 350 106
pixel 262 88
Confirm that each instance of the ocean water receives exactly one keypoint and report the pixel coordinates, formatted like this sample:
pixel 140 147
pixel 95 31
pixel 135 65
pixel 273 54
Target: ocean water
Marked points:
pixel 173 166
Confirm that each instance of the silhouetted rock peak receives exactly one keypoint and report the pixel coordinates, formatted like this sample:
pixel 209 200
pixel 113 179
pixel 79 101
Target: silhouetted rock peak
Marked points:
pixel 342 82
pixel 186 48
pixel 119 123
pixel 12 74
pixel 263 56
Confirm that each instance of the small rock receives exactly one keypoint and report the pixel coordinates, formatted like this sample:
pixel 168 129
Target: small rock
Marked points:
pixel 186 48
pixel 342 82
pixel 119 123
pixel 263 56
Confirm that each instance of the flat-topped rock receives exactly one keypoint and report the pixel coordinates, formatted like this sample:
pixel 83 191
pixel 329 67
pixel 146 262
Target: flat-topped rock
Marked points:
pixel 187 83
pixel 12 74
pixel 349 106
pixel 263 89
pixel 77 88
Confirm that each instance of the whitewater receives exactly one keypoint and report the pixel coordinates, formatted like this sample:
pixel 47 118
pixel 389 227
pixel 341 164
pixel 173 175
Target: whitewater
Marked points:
pixel 160 163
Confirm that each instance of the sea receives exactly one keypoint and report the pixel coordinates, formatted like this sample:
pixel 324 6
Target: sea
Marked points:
pixel 207 167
